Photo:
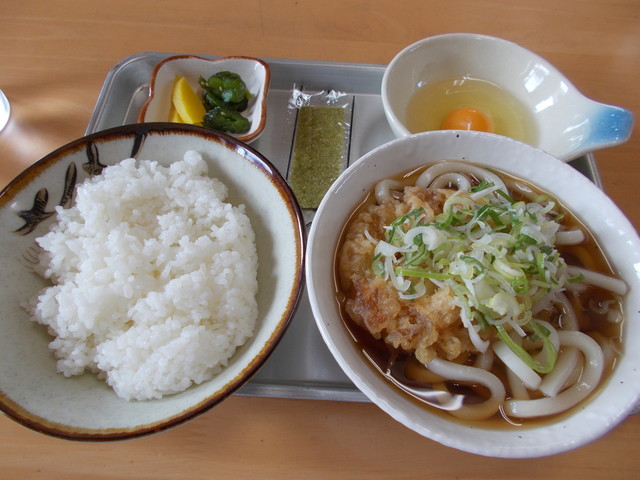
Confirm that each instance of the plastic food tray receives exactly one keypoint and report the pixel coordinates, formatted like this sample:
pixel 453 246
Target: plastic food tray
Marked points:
pixel 301 366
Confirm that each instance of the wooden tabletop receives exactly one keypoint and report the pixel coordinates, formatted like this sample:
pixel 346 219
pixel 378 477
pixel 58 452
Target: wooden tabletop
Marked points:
pixel 54 57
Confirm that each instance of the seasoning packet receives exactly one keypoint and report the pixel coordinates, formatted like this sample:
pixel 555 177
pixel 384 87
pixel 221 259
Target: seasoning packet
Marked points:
pixel 320 149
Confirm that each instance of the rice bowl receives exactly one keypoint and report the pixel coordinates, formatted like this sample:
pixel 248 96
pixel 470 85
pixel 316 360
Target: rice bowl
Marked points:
pixel 37 396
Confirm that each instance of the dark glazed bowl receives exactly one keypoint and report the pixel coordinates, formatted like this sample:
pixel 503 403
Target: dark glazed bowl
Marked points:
pixel 83 407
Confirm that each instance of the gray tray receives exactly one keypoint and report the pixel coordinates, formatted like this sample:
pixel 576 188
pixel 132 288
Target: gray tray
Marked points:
pixel 301 366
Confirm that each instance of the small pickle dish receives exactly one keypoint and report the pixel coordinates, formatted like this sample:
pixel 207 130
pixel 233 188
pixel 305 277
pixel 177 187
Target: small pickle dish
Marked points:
pixel 254 72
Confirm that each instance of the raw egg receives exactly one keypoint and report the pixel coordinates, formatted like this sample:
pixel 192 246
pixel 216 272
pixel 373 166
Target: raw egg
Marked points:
pixel 467 118
pixel 466 103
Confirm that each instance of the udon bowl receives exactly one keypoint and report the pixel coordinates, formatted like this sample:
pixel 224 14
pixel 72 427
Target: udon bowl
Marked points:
pixel 568 124
pixel 83 407
pixel 613 232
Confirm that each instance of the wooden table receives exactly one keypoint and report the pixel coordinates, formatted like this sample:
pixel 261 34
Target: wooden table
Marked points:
pixel 54 57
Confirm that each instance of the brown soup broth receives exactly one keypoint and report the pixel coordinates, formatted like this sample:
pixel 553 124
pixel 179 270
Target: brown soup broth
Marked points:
pixel 588 254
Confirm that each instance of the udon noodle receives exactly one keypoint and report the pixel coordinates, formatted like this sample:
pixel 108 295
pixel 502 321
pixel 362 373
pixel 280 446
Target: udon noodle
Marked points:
pixel 483 289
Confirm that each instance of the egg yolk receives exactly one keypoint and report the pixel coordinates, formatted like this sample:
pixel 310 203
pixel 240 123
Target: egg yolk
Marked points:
pixel 467 118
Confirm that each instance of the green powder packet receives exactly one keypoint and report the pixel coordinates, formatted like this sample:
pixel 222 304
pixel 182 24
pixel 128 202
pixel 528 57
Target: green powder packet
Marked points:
pixel 320 145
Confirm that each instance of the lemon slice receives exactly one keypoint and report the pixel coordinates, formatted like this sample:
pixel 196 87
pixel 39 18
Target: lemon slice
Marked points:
pixel 186 103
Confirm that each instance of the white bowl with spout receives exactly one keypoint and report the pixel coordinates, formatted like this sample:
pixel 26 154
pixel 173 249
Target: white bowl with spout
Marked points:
pixel 569 125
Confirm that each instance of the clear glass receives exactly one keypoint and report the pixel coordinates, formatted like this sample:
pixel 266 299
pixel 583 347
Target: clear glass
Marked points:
pixel 5 110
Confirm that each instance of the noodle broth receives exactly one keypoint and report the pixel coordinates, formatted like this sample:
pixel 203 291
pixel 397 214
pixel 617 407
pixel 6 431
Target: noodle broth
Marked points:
pixel 597 312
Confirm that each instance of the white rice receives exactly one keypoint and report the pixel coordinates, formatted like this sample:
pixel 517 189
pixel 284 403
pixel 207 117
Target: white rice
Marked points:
pixel 155 278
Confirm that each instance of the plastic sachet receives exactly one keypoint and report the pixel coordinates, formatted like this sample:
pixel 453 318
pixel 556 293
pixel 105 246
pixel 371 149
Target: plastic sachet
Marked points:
pixel 320 149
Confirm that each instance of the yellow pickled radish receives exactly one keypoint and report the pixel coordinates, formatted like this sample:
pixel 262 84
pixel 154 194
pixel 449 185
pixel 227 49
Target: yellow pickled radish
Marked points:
pixel 174 116
pixel 186 102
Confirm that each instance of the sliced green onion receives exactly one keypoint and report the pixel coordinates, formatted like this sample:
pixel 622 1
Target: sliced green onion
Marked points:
pixel 505 195
pixel 419 256
pixel 547 345
pixel 483 185
pixel 401 220
pixel 524 241
pixel 422 273
pixel 520 284
pixel 377 265
pixel 577 279
pixel 473 261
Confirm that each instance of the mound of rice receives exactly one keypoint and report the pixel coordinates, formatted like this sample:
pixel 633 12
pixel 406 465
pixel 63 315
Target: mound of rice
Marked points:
pixel 154 278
